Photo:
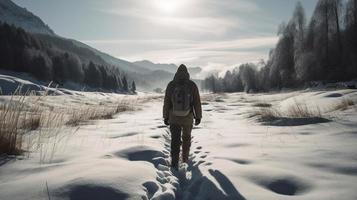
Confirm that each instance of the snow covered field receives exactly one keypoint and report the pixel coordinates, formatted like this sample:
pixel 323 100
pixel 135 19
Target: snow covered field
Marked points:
pixel 234 154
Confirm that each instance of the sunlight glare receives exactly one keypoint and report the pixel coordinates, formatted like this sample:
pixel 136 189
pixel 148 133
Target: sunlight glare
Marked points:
pixel 167 6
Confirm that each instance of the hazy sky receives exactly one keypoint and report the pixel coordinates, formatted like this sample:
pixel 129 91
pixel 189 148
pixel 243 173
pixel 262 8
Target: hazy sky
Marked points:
pixel 208 33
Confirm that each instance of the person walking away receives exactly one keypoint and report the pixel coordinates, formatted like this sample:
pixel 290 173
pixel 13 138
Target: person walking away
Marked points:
pixel 182 104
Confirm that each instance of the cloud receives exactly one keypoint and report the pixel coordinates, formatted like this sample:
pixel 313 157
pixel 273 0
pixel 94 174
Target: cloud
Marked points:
pixel 199 16
pixel 220 55
pixel 201 25
pixel 232 6
pixel 199 45
pixel 205 33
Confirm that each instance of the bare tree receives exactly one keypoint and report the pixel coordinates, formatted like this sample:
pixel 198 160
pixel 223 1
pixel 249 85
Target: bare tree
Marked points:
pixel 337 7
pixel 299 23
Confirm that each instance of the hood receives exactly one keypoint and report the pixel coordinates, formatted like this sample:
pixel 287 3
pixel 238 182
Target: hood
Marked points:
pixel 182 73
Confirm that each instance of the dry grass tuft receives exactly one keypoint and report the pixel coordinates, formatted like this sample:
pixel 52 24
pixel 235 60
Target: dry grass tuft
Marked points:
pixel 14 122
pixel 32 122
pixel 11 125
pixel 24 112
pixel 262 105
pixel 344 104
pixel 268 114
pixel 86 113
pixel 302 111
pixel 295 111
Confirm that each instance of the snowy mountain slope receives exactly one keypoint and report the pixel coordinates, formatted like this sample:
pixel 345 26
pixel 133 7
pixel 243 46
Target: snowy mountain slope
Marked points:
pixel 172 68
pixel 20 17
pixel 146 79
pixel 124 65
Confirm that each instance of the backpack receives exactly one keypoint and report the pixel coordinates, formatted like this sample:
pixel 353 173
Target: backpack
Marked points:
pixel 181 99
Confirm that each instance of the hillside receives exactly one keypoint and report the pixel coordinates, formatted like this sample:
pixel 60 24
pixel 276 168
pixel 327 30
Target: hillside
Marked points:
pixel 13 14
pixel 111 60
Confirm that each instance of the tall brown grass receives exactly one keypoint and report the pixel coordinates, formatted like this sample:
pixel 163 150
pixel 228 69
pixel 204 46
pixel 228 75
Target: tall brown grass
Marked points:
pixel 344 104
pixel 296 110
pixel 24 112
pixel 262 105
pixel 13 124
pixel 89 112
pixel 301 110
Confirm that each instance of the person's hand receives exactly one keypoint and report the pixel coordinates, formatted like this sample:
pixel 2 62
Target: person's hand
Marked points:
pixel 166 122
pixel 197 122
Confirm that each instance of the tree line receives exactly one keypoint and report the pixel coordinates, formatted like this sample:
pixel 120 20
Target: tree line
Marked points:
pixel 21 51
pixel 323 49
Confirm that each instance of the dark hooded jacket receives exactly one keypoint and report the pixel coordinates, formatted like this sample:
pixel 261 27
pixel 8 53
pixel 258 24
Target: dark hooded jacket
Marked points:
pixel 182 76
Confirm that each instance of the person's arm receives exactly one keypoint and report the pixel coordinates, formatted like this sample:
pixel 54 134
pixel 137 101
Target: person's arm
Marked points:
pixel 167 102
pixel 197 107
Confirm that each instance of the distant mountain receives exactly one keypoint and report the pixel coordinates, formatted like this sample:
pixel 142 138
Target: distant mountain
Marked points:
pixel 172 68
pixel 153 67
pixel 20 17
pixel 194 71
pixel 123 64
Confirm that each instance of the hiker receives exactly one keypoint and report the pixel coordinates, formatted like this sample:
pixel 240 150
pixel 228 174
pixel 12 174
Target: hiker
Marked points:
pixel 182 105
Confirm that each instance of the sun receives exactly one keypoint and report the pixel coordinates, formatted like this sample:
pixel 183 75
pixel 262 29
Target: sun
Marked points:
pixel 167 6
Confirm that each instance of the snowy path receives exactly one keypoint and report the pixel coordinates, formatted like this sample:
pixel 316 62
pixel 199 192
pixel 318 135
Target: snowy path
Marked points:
pixel 189 182
pixel 232 157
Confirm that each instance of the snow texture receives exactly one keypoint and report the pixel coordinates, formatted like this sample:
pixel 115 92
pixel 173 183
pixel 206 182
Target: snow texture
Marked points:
pixel 233 156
